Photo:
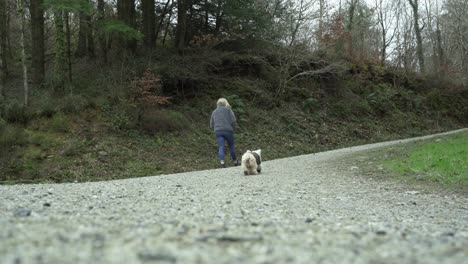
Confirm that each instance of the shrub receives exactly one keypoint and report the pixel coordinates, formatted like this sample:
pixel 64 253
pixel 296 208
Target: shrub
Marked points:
pixel 14 112
pixel 310 104
pixel 118 118
pixel 381 98
pixel 60 123
pixel 11 135
pixel 73 104
pixel 74 147
pixel 120 115
pixel 33 154
pixel 154 121
pixel 43 104
pixel 145 93
pixel 43 140
pixel 3 124
pixel 47 107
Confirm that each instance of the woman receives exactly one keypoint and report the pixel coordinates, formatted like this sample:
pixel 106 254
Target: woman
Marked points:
pixel 223 122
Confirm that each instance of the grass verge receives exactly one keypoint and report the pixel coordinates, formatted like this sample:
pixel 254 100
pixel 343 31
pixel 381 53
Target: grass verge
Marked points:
pixel 439 164
pixel 443 160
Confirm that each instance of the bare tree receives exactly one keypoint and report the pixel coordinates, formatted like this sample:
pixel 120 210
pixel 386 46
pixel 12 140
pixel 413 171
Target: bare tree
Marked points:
pixel 163 14
pixel 455 34
pixel 301 12
pixel 417 30
pixel 168 24
pixel 351 13
pixel 388 18
pixel 321 21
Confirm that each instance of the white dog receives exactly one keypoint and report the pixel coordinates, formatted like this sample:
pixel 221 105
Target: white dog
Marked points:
pixel 252 162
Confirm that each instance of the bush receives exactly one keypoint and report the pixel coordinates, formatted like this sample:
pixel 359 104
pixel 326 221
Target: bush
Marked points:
pixel 14 112
pixel 237 104
pixel 73 104
pixel 119 119
pixel 60 123
pixel 45 105
pixel 381 98
pixel 74 147
pixel 310 104
pixel 3 124
pixel 119 115
pixel 11 135
pixel 154 121
pixel 42 140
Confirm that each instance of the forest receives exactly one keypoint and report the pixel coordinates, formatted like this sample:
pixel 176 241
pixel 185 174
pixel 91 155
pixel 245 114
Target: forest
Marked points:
pixel 108 89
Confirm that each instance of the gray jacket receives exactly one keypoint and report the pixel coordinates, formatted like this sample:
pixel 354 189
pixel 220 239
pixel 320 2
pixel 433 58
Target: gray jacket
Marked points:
pixel 223 119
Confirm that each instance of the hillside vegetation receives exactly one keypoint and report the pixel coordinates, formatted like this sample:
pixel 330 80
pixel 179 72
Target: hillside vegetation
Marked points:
pixel 151 116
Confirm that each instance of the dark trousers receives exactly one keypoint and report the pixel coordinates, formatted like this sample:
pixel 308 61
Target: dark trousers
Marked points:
pixel 222 137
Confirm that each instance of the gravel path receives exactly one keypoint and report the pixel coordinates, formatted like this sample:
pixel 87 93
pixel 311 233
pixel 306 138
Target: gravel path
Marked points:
pixel 305 209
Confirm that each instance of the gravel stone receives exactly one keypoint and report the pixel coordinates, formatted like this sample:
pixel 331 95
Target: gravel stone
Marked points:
pixel 304 209
pixel 21 212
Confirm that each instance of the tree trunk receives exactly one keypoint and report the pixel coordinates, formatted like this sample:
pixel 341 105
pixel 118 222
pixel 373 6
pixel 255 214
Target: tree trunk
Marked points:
pixel 161 20
pixel 85 45
pixel 149 23
pixel 3 46
pixel 352 10
pixel 321 17
pixel 81 46
pixel 440 49
pixel 166 31
pixel 23 53
pixel 181 28
pixel 68 45
pixel 101 34
pixel 60 57
pixel 126 14
pixel 417 30
pixel 219 17
pixel 37 44
pixel 207 13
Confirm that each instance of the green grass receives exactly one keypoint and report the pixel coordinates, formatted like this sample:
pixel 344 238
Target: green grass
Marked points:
pixel 443 160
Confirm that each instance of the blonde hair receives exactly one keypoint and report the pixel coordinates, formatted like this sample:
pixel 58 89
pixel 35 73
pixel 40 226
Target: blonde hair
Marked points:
pixel 223 102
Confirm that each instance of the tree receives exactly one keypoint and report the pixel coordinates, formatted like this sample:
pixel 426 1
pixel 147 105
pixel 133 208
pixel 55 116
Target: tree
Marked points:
pixel 181 29
pixel 301 11
pixel 149 23
pixel 321 19
pixel 37 41
pixel 168 24
pixel 21 11
pixel 60 68
pixel 3 45
pixel 166 10
pixel 85 45
pixel 454 28
pixel 388 18
pixel 101 31
pixel 351 13
pixel 126 14
pixel 417 30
